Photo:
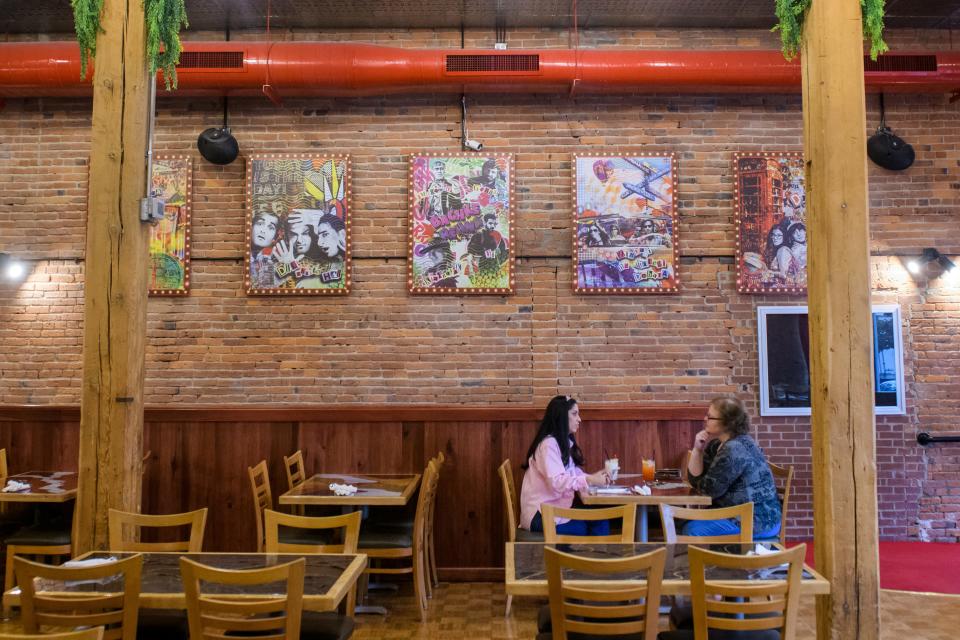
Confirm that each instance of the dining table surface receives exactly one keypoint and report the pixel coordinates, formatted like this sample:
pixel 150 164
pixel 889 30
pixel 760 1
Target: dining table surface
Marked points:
pixel 675 492
pixel 373 489
pixel 328 578
pixel 44 486
pixel 526 572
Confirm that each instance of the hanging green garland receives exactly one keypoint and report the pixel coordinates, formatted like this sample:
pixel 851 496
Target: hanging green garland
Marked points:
pixel 791 14
pixel 164 19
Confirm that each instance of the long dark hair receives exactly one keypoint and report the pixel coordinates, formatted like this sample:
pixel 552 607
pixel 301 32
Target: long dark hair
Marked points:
pixel 556 423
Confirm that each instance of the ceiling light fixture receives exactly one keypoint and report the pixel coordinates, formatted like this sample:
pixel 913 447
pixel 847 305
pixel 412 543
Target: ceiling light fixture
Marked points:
pixel 11 268
pixel 928 258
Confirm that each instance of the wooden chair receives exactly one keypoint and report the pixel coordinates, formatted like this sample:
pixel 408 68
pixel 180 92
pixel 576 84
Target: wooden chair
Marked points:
pixel 431 555
pixel 510 504
pixel 293 465
pixel 262 497
pixel 399 545
pixel 627 512
pixel 608 609
pixel 40 540
pixel 668 513
pixel 124 526
pixel 3 465
pixel 86 634
pixel 349 523
pixel 273 616
pixel 761 611
pixel 783 477
pixel 117 612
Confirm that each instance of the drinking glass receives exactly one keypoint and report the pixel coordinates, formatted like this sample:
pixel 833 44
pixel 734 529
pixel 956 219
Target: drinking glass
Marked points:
pixel 649 469
pixel 612 467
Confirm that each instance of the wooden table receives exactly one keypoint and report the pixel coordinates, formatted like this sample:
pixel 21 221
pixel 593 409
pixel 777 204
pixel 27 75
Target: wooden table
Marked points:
pixel 327 580
pixel 374 489
pixel 526 574
pixel 45 486
pixel 683 496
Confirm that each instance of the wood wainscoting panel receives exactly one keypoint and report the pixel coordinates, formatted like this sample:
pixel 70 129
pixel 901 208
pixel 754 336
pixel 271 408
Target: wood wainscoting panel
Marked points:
pixel 198 461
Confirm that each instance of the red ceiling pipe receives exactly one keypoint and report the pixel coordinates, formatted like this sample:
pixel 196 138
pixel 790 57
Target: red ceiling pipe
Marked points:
pixel 320 69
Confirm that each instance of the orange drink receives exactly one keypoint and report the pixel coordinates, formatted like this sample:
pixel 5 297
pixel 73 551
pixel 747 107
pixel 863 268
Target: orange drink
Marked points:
pixel 649 469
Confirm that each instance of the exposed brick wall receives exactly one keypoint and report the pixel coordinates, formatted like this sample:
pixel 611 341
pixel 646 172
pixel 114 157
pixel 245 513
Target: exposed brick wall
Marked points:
pixel 380 345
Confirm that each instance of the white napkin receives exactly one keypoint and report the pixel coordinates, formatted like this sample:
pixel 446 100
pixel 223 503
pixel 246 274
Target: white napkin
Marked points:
pixel 343 489
pixel 762 550
pixel 641 490
pixel 89 562
pixel 13 485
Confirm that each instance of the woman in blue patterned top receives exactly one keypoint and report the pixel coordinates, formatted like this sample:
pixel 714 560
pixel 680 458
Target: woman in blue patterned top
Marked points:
pixel 728 465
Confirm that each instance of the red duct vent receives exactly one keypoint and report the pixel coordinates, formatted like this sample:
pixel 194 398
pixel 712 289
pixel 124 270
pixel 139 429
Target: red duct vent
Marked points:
pixel 901 63
pixel 493 63
pixel 211 60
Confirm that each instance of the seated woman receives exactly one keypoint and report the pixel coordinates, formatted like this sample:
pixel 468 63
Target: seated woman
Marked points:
pixel 728 465
pixel 553 474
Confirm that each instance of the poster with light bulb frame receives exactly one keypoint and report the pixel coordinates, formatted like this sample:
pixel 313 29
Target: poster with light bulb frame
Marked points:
pixel 298 224
pixel 770 212
pixel 626 236
pixel 171 181
pixel 461 224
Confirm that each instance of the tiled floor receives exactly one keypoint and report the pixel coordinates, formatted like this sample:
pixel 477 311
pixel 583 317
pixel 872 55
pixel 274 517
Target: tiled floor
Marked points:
pixel 464 611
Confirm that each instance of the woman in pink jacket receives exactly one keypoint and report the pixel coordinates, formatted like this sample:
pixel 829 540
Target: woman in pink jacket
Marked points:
pixel 553 474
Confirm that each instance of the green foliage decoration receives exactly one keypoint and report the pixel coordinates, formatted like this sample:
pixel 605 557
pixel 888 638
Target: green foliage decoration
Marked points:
pixel 791 14
pixel 164 19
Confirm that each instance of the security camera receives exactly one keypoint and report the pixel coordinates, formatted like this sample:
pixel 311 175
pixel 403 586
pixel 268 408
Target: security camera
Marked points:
pixel 473 145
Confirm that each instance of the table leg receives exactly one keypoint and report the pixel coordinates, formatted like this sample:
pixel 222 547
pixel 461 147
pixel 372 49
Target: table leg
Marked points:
pixel 642 524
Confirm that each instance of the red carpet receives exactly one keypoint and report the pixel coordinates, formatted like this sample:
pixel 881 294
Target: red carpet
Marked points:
pixel 916 566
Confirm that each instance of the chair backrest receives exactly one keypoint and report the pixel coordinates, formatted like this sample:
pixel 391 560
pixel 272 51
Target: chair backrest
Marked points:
pixel 86 634
pixel 783 478
pixel 771 604
pixel 509 499
pixel 612 608
pixel 217 616
pixel 627 512
pixel 116 611
pixel 293 464
pixel 668 513
pixel 123 527
pixel 348 522
pixel 3 463
pixel 428 494
pixel 262 498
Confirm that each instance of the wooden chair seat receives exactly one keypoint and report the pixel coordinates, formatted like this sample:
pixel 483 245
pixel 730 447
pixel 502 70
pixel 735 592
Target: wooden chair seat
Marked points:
pixel 325 626
pixel 721 634
pixel 523 535
pixel 85 634
pixel 371 538
pixel 40 535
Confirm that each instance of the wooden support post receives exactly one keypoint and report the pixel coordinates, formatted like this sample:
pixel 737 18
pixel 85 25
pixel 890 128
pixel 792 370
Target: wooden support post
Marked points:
pixel 115 290
pixel 844 467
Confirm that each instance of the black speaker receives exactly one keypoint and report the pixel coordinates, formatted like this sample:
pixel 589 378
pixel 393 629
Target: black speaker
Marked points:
pixel 216 145
pixel 889 151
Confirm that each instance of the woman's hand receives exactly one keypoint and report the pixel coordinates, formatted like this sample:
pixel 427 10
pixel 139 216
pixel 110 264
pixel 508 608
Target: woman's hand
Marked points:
pixel 598 479
pixel 701 439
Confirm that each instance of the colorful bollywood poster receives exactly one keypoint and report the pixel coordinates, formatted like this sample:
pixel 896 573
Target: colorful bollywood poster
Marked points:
pixel 461 224
pixel 771 217
pixel 625 236
pixel 172 180
pixel 298 224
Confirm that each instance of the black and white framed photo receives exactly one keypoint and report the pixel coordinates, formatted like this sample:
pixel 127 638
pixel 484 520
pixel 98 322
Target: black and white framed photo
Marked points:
pixel 784 347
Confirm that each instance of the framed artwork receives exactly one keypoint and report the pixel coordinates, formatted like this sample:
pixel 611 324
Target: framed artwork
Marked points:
pixel 172 180
pixel 785 361
pixel 625 223
pixel 771 217
pixel 461 237
pixel 298 224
